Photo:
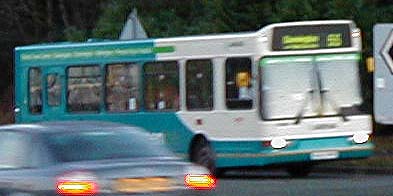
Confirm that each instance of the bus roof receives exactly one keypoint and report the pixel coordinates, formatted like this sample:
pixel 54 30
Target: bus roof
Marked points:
pixel 102 42
pixel 56 45
pixel 199 46
pixel 311 22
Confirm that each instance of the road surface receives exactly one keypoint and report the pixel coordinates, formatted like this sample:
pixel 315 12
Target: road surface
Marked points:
pixel 255 183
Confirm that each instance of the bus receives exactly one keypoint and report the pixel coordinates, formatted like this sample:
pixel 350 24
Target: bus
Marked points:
pixel 287 94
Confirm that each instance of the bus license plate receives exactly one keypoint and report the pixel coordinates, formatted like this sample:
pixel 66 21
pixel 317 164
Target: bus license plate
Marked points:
pixel 324 155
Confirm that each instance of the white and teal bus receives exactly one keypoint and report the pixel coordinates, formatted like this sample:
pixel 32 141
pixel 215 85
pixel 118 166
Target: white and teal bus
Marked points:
pixel 286 94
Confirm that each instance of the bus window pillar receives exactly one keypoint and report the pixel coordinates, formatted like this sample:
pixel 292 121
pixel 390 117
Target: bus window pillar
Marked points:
pixel 219 83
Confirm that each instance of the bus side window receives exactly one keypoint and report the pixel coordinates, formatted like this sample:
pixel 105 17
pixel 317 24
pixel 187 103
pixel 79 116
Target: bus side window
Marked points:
pixel 122 87
pixel 53 88
pixel 161 86
pixel 35 91
pixel 84 89
pixel 199 85
pixel 238 83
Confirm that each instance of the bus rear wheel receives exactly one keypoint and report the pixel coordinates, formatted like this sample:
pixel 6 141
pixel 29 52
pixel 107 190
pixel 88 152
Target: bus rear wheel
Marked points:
pixel 202 154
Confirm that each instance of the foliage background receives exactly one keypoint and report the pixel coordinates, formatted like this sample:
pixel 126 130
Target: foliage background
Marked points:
pixel 38 21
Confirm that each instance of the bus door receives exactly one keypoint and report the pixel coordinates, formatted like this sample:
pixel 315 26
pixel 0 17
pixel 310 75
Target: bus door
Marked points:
pixel 53 92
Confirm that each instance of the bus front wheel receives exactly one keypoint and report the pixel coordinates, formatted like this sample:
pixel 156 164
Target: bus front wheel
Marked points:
pixel 203 154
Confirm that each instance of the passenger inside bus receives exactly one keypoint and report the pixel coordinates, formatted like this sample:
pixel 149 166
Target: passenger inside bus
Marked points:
pixel 243 82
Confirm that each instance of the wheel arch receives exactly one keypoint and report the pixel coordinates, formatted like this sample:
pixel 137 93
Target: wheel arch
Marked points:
pixel 197 137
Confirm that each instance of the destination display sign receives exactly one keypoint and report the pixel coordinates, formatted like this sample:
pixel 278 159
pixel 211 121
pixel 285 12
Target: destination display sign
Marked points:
pixel 311 37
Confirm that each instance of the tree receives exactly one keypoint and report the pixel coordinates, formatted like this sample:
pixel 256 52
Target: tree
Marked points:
pixel 35 21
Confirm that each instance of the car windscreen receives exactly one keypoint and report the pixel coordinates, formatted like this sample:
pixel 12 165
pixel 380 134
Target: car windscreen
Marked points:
pixel 14 149
pixel 101 145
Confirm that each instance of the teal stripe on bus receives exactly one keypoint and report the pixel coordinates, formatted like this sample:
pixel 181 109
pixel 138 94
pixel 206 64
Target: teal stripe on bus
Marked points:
pixel 102 52
pixel 254 153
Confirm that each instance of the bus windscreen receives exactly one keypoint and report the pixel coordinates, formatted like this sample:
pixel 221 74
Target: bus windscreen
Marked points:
pixel 309 37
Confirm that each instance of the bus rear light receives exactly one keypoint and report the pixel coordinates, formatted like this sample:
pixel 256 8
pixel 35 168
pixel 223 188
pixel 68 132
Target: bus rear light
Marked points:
pixel 266 143
pixel 200 182
pixel 77 183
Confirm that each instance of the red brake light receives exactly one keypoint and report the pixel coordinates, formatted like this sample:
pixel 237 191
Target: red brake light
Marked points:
pixel 76 188
pixel 266 144
pixel 202 181
pixel 76 183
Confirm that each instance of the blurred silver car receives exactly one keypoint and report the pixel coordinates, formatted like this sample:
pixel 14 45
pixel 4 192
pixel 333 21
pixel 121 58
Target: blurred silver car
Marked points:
pixel 92 158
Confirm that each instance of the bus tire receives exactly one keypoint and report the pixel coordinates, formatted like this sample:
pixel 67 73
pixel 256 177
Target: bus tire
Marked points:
pixel 299 170
pixel 203 154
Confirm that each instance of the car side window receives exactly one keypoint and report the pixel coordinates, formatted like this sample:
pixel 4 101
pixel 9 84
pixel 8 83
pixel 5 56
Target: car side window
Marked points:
pixel 15 150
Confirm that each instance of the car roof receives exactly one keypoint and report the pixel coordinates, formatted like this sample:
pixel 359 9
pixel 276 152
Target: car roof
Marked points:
pixel 67 126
